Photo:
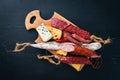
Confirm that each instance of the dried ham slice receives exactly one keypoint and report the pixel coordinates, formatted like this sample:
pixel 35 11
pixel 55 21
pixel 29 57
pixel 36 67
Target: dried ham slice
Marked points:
pixel 62 25
pixel 59 24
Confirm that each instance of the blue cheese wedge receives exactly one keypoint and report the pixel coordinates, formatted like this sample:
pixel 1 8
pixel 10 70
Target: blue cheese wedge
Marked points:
pixel 44 32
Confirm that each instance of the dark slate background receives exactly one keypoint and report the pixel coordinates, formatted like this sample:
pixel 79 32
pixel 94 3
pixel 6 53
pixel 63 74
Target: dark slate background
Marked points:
pixel 100 17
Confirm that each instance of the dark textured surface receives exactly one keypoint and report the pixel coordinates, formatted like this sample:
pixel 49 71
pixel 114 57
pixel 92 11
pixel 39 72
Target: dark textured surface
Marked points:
pixel 100 17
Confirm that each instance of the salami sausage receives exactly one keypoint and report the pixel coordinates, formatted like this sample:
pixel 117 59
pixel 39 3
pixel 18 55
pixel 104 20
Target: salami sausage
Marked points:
pixel 78 50
pixel 75 60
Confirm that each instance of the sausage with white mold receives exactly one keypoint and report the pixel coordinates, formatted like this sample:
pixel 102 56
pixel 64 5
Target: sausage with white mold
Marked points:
pixel 67 47
pixel 93 46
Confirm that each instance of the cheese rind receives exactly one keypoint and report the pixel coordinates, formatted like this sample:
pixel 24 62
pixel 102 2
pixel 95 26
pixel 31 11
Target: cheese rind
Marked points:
pixel 44 32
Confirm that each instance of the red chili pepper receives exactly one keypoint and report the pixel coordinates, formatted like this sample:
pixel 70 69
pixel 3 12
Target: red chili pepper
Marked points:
pixel 61 40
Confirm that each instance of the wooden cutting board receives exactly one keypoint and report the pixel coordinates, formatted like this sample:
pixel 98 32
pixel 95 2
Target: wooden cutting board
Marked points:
pixel 38 20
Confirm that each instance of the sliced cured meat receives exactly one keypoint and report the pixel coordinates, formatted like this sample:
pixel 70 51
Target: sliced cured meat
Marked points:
pixel 79 38
pixel 80 32
pixel 59 24
pixel 62 25
pixel 67 35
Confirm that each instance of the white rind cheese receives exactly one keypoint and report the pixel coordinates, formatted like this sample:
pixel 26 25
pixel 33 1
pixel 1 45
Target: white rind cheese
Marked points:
pixel 44 32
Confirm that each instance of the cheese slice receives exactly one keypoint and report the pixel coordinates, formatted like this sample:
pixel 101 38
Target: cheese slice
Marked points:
pixel 77 67
pixel 44 32
pixel 61 52
pixel 56 33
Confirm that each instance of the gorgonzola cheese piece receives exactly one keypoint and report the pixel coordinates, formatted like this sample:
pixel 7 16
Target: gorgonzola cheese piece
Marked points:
pixel 44 32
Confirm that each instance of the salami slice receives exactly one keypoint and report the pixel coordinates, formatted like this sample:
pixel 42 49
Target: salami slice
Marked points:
pixel 59 24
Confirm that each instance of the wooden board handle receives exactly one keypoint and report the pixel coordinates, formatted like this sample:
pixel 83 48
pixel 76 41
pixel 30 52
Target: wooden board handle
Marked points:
pixel 38 20
pixel 35 24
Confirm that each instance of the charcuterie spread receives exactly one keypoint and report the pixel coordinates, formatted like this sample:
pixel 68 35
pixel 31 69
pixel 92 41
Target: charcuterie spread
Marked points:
pixel 65 41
